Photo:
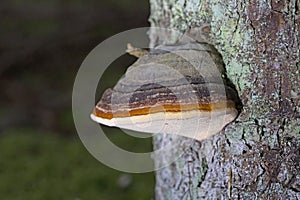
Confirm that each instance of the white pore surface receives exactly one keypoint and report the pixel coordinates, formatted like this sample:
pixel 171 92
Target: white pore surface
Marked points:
pixel 193 124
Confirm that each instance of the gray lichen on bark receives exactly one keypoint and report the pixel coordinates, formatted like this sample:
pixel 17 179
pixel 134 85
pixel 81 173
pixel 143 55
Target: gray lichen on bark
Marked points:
pixel 258 155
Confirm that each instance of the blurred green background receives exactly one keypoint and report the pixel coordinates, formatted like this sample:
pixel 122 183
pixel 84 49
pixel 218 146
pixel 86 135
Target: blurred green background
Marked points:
pixel 42 45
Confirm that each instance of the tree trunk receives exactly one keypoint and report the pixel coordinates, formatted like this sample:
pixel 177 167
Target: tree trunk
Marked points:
pixel 257 156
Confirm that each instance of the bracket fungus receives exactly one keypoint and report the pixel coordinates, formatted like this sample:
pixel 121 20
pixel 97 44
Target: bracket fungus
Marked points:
pixel 175 89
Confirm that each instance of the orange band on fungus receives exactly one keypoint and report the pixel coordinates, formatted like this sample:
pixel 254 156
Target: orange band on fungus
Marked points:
pixel 164 108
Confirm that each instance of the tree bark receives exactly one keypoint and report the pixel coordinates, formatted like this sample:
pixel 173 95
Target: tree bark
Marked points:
pixel 257 156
